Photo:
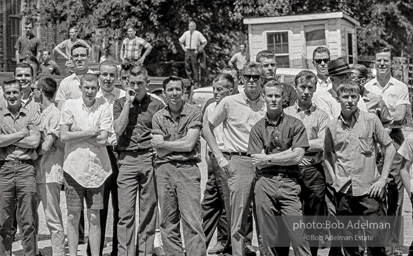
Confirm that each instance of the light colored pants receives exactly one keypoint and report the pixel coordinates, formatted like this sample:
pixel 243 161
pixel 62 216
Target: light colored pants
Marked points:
pixel 50 197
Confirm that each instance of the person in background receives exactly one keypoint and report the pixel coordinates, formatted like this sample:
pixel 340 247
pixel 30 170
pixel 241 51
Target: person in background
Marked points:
pixel 132 46
pixel 239 59
pixel 321 57
pixel 28 44
pixel 48 66
pixel 49 165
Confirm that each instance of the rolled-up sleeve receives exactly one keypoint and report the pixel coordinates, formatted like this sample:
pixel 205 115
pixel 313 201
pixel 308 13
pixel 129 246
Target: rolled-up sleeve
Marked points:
pixel 256 140
pixel 220 113
pixel 300 139
pixel 67 115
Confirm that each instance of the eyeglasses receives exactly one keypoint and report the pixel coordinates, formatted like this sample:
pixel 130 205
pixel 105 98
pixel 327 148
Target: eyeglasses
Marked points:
pixel 79 55
pixel 254 77
pixel 319 61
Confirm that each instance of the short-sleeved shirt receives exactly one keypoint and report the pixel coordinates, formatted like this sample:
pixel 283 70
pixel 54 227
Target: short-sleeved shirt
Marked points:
pixel 355 151
pixel 406 151
pixel 238 115
pixel 86 163
pixel 192 41
pixel 27 46
pixel 395 93
pixel 239 60
pixel 219 130
pixel 132 48
pixel 315 121
pixel 69 88
pixel 67 45
pixel 376 105
pixel 49 166
pixel 287 133
pixel 328 102
pixel 164 124
pixel 110 98
pixel 290 95
pixel 49 67
pixel 26 118
pixel 137 134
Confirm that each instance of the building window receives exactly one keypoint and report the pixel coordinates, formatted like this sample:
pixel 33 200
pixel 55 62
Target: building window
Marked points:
pixel 350 48
pixel 15 23
pixel 277 42
pixel 315 36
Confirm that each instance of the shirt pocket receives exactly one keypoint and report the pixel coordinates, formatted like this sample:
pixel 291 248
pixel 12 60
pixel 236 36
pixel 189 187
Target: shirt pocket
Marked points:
pixel 366 146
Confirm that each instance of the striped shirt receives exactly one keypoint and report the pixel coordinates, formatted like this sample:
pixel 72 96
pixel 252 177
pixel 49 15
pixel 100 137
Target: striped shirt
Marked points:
pixel 315 121
pixel 132 48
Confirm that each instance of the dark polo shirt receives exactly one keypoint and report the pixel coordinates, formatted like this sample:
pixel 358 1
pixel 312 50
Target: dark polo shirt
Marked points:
pixel 288 133
pixel 138 130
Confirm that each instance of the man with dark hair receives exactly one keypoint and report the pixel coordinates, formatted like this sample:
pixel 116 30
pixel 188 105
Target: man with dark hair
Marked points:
pixel 48 66
pixel 131 50
pixel 321 57
pixel 49 166
pixel 175 131
pixel 396 96
pixel 350 154
pixel 84 128
pixel 311 176
pixel 267 60
pixel 19 138
pixel 133 114
pixel 69 87
pixel 238 113
pixel 276 145
pixel 216 208
pixel 239 59
pixel 67 45
pixel 27 45
pixel 34 63
pixel 193 44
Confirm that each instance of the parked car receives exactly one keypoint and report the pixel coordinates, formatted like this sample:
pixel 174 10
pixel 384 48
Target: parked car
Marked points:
pixel 285 75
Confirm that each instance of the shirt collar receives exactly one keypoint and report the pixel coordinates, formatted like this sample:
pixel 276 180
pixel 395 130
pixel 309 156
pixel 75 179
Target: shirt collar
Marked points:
pixel 184 110
pixel 356 116
pixel 48 109
pixel 307 111
pixel 327 81
pixel 5 111
pixel 279 121
pixel 391 82
pixel 248 101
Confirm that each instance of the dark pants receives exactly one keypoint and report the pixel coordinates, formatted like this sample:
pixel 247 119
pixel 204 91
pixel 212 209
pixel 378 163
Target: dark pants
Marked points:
pixel 136 176
pixel 179 191
pixel 279 196
pixel 313 187
pixel 349 205
pixel 192 65
pixel 109 188
pixel 216 205
pixel 411 245
pixel 18 189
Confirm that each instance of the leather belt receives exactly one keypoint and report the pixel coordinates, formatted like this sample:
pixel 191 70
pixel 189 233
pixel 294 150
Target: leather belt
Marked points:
pixel 235 153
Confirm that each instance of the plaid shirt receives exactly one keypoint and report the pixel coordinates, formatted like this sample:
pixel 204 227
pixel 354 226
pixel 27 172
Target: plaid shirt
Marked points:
pixel 132 48
pixel 164 124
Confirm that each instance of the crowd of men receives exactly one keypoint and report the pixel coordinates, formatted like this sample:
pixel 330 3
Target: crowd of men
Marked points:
pixel 329 145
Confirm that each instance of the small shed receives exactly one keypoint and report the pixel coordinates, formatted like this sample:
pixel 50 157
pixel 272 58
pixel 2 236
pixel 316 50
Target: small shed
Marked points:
pixel 293 38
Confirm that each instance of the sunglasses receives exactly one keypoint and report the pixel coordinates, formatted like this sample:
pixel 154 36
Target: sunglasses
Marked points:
pixel 254 77
pixel 319 61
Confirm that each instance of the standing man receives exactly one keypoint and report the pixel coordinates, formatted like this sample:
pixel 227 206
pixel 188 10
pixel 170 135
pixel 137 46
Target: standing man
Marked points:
pixel 131 51
pixel 238 114
pixel 350 154
pixel 49 166
pixel 19 138
pixel 193 44
pixel 267 60
pixel 109 93
pixel 48 66
pixel 28 44
pixel 70 86
pixel 321 57
pixel 311 176
pixel 133 115
pixel 84 128
pixel 277 144
pixel 177 143
pixel 396 96
pixel 216 207
pixel 65 49
pixel 239 59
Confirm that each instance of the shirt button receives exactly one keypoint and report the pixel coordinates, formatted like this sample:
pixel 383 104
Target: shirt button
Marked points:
pixel 276 138
pixel 278 147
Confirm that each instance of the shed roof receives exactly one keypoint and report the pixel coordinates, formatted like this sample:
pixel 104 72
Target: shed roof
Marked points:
pixel 300 18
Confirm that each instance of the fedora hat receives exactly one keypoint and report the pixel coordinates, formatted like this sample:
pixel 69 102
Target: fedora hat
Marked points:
pixel 338 67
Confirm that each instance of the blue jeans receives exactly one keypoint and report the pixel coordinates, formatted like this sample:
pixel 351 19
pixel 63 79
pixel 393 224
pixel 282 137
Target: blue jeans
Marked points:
pixel 18 189
pixel 179 192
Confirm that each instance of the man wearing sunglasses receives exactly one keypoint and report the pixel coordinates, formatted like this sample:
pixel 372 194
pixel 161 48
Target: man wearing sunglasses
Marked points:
pixel 238 113
pixel 268 62
pixel 70 86
pixel 321 57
